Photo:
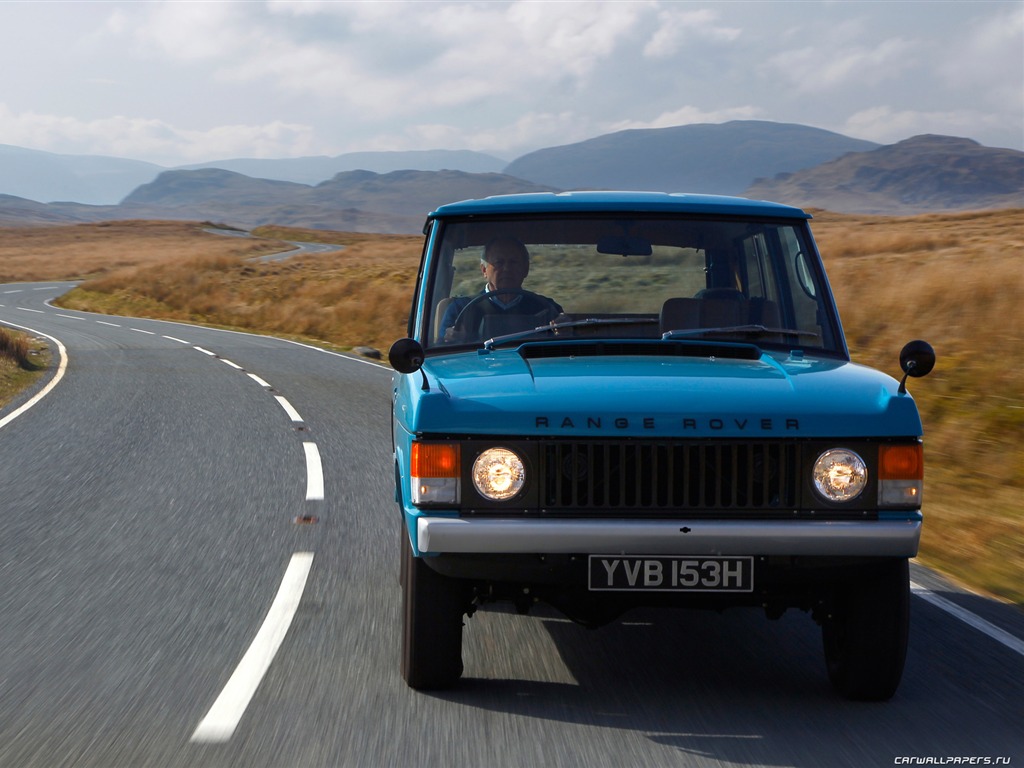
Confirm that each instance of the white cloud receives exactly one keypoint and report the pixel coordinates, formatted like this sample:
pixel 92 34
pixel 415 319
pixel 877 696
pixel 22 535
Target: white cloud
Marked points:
pixel 160 142
pixel 827 67
pixel 689 115
pixel 886 125
pixel 676 27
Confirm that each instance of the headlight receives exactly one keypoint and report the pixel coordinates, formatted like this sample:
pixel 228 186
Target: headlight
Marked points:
pixel 498 474
pixel 840 475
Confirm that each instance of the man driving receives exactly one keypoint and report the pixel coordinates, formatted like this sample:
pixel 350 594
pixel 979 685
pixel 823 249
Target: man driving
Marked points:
pixel 504 265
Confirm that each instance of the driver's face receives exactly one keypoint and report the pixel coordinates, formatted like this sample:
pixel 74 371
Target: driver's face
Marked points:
pixel 506 267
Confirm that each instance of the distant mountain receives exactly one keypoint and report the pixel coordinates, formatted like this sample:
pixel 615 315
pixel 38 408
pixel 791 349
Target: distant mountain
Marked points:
pixel 796 164
pixel 313 170
pixel 715 159
pixel 359 201
pixel 92 179
pixel 918 175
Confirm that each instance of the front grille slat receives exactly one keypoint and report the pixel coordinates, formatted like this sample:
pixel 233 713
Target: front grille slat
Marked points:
pixel 668 477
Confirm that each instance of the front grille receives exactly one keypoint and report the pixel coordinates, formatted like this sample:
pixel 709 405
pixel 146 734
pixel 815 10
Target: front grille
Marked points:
pixel 669 477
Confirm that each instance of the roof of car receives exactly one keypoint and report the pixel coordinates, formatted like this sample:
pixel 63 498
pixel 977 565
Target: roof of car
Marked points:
pixel 640 202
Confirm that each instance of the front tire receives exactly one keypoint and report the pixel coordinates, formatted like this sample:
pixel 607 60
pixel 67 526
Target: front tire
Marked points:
pixel 865 635
pixel 432 613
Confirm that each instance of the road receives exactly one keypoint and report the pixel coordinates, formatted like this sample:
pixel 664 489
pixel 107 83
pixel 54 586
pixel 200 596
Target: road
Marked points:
pixel 156 500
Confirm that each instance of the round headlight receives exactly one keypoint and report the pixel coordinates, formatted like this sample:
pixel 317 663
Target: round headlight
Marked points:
pixel 498 474
pixel 840 475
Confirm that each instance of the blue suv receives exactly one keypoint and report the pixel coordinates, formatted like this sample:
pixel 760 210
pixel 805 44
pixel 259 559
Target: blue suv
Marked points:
pixel 609 400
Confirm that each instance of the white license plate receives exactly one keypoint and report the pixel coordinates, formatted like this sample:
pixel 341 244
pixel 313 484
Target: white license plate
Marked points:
pixel 671 574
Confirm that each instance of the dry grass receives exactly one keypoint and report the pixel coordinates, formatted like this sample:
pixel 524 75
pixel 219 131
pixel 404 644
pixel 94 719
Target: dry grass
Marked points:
pixel 955 280
pixel 23 359
pixel 31 254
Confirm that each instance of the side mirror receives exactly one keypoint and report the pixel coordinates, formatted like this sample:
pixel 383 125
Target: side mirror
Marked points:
pixel 916 359
pixel 406 355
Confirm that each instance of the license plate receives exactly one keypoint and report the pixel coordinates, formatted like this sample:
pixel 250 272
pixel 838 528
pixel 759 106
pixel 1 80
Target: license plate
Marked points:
pixel 671 574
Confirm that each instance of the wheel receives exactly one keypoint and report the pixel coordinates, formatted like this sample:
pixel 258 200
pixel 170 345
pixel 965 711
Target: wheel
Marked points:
pixel 459 326
pixel 432 611
pixel 865 637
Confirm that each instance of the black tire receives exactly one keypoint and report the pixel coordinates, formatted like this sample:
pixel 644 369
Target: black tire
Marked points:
pixel 865 635
pixel 432 612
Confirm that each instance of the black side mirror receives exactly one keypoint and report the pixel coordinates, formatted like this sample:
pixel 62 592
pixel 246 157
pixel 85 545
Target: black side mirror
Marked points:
pixel 916 359
pixel 406 355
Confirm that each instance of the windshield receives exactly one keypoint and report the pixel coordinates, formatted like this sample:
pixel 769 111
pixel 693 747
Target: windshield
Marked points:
pixel 506 280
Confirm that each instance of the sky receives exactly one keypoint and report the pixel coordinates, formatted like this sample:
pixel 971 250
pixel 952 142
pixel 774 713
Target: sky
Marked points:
pixel 186 82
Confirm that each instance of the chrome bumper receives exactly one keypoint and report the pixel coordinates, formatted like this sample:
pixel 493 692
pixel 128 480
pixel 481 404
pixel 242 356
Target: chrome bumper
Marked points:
pixel 881 538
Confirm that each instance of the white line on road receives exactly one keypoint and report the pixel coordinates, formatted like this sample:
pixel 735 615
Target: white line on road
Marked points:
pixel 206 351
pixel 70 317
pixel 222 719
pixel 173 338
pixel 26 309
pixel 139 330
pixel 61 368
pixel 236 366
pixel 996 633
pixel 314 473
pixel 17 291
pixel 104 322
pixel 259 381
pixel 292 413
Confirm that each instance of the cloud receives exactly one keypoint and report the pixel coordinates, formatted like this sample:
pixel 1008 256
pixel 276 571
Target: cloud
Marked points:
pixel 886 125
pixel 675 27
pixel 122 136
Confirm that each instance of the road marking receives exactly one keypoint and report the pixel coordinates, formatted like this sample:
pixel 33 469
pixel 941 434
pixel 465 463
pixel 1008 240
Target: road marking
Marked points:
pixel 259 381
pixel 222 719
pixel 70 317
pixel 236 366
pixel 292 413
pixel 1010 641
pixel 104 322
pixel 26 309
pixel 139 330
pixel 61 368
pixel 314 473
pixel 17 291
pixel 180 341
pixel 206 351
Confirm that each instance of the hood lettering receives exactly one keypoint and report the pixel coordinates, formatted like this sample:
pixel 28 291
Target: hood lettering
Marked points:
pixel 714 423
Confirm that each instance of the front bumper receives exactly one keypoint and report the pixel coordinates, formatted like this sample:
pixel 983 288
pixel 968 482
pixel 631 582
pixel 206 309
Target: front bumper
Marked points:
pixel 861 538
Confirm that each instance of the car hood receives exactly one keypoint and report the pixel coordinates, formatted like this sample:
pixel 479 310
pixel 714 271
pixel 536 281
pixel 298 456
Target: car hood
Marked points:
pixel 507 392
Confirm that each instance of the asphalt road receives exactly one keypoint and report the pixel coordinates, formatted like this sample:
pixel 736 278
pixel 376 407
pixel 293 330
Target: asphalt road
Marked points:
pixel 152 503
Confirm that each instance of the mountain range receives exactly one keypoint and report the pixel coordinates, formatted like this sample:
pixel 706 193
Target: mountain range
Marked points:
pixel 392 191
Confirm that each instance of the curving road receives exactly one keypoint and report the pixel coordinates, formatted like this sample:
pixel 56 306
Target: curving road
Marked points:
pixel 198 567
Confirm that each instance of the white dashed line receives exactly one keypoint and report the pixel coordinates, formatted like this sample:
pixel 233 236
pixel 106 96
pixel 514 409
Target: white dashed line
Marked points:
pixel 222 719
pixel 205 351
pixel 314 473
pixel 236 366
pixel 104 322
pixel 70 317
pixel 1010 641
pixel 17 291
pixel 26 309
pixel 173 338
pixel 139 330
pixel 259 381
pixel 292 413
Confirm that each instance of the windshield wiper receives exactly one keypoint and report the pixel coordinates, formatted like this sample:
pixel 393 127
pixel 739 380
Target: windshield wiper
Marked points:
pixel 554 327
pixel 760 330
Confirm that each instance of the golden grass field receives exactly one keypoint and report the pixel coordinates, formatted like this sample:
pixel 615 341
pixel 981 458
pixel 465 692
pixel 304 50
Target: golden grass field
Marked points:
pixel 955 280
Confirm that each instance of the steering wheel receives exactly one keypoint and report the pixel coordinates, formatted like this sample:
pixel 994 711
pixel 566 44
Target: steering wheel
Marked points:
pixel 460 321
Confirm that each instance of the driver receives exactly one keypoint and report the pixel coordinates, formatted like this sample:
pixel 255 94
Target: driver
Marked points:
pixel 505 264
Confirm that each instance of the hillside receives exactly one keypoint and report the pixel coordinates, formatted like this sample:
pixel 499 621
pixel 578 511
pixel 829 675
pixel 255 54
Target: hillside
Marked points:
pixel 919 175
pixel 773 161
pixel 714 159
pixel 354 201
